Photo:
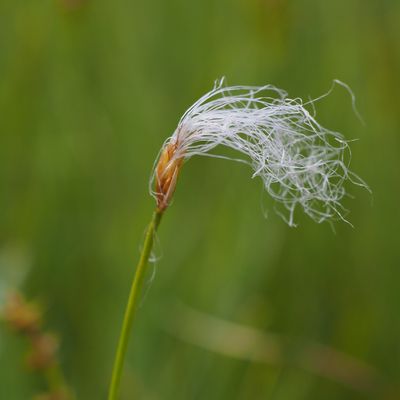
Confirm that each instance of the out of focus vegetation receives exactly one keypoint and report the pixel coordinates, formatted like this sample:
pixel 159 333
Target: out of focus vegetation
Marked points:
pixel 88 92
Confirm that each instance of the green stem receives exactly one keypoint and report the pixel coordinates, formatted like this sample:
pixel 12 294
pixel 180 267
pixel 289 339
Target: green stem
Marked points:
pixel 131 306
pixel 56 382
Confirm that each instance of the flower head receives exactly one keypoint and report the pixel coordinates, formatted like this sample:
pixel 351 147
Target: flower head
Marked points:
pixel 300 162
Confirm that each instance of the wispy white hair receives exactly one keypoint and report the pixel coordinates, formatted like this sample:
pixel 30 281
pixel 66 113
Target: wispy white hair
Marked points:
pixel 300 161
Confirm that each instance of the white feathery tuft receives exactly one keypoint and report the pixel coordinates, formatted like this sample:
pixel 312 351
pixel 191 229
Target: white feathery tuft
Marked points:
pixel 300 161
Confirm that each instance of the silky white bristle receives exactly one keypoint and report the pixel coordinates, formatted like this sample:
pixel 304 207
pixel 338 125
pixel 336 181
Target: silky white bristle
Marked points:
pixel 299 161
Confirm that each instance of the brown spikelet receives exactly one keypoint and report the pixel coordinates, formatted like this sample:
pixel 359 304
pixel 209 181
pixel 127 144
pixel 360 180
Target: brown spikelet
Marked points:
pixel 43 352
pixel 167 172
pixel 22 316
pixel 26 319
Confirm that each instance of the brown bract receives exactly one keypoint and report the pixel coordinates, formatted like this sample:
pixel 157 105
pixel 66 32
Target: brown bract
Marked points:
pixel 43 353
pixel 167 172
pixel 60 394
pixel 22 316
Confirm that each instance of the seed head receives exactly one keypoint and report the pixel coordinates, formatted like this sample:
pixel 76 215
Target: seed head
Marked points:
pixel 167 172
pixel 300 162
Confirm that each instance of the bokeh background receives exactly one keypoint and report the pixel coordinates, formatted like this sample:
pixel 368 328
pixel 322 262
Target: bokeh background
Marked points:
pixel 237 306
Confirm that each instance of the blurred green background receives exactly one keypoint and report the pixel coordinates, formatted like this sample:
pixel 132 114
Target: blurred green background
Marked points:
pixel 89 90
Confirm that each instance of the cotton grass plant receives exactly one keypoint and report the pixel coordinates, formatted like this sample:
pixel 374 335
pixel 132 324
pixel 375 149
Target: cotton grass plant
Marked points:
pixel 301 163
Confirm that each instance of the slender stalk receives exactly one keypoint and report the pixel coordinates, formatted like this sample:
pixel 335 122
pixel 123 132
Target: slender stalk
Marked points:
pixel 131 306
pixel 57 383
